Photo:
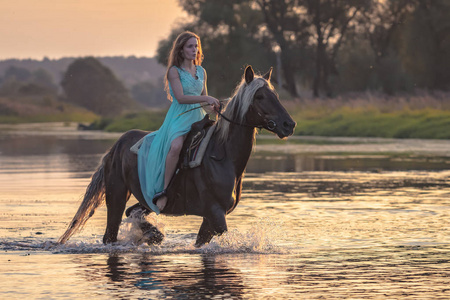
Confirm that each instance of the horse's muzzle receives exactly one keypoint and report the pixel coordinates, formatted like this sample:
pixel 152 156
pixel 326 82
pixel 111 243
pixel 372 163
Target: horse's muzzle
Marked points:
pixel 285 128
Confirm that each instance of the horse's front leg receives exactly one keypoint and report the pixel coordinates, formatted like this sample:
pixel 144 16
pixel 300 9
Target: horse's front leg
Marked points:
pixel 150 233
pixel 213 224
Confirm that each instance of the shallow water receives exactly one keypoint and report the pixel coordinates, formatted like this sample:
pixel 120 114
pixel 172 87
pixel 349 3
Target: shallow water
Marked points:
pixel 323 220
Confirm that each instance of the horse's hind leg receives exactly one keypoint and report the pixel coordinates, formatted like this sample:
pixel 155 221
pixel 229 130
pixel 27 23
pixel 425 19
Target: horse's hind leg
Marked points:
pixel 116 198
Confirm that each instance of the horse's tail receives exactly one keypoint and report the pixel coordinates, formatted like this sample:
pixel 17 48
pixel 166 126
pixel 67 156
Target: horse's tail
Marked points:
pixel 93 198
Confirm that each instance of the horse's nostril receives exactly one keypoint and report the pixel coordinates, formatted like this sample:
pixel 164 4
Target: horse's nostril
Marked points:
pixel 287 124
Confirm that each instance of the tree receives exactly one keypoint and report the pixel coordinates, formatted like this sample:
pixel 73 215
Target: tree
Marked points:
pixel 381 26
pixel 425 44
pixel 150 94
pixel 331 20
pixel 43 78
pixel 288 30
pixel 297 30
pixel 91 85
pixel 231 40
pixel 20 81
pixel 17 74
pixel 395 42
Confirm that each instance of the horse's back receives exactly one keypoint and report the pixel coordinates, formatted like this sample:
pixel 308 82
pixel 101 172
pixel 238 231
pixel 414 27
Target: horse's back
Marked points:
pixel 121 163
pixel 120 152
pixel 131 137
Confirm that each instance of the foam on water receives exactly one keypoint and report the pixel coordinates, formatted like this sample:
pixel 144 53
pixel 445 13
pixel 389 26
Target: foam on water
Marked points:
pixel 262 238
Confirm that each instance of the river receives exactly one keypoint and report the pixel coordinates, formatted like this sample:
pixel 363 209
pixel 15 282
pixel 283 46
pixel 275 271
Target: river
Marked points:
pixel 320 218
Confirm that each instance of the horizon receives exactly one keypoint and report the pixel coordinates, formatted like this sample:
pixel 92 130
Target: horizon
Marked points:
pixel 72 29
pixel 76 57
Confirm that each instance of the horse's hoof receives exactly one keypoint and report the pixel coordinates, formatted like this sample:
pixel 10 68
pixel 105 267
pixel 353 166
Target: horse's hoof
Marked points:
pixel 152 236
pixel 199 244
pixel 107 241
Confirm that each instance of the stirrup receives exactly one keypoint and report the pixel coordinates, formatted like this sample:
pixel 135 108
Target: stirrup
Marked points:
pixel 159 195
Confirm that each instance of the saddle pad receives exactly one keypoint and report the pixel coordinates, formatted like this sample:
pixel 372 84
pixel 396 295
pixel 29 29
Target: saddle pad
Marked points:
pixel 202 148
pixel 135 147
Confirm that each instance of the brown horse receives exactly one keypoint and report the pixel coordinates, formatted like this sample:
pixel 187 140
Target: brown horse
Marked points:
pixel 211 190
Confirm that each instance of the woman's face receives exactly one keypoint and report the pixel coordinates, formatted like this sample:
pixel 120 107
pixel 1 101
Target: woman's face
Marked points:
pixel 190 49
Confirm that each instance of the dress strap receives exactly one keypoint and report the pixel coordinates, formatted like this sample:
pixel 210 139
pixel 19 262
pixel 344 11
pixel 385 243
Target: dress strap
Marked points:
pixel 202 70
pixel 178 69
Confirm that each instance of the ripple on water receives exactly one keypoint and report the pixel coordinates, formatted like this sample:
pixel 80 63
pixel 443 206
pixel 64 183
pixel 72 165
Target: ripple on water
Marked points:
pixel 320 234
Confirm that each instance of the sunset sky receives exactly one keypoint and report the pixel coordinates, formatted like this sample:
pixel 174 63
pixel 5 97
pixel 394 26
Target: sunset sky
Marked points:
pixel 59 28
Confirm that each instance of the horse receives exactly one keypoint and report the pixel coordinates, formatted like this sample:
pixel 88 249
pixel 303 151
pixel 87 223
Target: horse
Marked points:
pixel 211 190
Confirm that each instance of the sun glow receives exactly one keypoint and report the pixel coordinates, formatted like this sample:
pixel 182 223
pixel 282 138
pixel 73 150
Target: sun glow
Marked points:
pixel 34 29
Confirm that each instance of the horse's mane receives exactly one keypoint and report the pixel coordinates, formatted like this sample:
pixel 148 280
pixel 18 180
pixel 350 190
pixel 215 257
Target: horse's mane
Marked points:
pixel 239 104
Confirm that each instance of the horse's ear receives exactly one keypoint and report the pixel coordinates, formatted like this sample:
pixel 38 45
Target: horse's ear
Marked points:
pixel 268 74
pixel 249 74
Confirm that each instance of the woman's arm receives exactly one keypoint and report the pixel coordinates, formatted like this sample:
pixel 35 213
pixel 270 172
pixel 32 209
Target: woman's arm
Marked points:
pixel 208 108
pixel 177 89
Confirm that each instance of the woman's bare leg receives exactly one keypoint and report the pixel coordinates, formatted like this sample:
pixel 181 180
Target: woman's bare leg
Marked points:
pixel 171 165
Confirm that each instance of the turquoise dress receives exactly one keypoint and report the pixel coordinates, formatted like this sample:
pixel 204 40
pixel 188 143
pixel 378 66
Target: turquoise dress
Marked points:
pixel 153 151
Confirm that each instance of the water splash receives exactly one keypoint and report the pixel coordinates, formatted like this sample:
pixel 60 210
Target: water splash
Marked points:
pixel 262 237
pixel 129 231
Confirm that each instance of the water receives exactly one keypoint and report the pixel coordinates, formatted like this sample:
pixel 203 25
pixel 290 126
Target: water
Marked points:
pixel 319 218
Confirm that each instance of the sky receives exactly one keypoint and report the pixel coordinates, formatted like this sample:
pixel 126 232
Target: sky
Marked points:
pixel 61 28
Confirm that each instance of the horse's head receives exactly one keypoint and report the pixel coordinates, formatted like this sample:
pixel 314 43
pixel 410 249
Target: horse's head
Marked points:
pixel 265 110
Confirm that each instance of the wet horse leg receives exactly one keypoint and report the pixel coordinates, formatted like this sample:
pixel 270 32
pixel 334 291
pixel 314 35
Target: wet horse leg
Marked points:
pixel 117 196
pixel 150 234
pixel 215 224
pixel 205 234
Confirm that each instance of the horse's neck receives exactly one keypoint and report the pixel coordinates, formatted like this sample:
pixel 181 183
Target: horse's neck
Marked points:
pixel 239 146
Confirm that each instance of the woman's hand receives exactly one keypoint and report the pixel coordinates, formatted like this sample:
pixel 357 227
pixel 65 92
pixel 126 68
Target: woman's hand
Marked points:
pixel 213 102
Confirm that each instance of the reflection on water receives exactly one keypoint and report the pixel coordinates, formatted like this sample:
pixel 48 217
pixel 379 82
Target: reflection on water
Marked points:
pixel 344 162
pixel 37 150
pixel 190 277
pixel 310 225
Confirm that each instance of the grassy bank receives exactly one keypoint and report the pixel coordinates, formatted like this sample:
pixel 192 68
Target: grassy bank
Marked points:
pixel 41 109
pixel 364 115
pixel 146 120
pixel 56 117
pixel 419 116
pixel 425 123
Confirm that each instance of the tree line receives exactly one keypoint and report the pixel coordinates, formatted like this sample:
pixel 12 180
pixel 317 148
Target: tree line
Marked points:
pixel 87 82
pixel 318 47
pixel 326 47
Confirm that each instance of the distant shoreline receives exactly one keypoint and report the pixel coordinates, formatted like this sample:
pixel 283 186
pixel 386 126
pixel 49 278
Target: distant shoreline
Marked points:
pixel 340 146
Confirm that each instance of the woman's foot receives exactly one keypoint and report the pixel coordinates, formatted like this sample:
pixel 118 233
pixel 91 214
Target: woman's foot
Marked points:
pixel 161 202
pixel 160 199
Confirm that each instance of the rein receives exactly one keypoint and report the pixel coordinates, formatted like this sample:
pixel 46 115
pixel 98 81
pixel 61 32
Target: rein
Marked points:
pixel 271 125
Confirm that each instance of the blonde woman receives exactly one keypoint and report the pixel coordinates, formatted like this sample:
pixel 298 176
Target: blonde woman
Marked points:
pixel 185 84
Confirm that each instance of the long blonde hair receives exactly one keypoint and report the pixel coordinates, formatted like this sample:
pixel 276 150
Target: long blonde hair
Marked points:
pixel 239 104
pixel 176 57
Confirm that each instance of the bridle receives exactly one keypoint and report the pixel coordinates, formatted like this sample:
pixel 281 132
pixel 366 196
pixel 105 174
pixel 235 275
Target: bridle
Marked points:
pixel 270 124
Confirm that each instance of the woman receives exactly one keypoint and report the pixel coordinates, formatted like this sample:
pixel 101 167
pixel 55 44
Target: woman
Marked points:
pixel 185 84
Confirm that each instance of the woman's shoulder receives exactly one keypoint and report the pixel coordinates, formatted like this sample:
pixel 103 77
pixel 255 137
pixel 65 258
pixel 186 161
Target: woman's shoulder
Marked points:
pixel 174 71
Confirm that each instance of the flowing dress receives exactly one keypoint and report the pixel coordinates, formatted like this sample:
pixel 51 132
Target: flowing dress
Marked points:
pixel 153 151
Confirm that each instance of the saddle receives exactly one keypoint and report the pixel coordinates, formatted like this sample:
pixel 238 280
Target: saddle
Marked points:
pixel 194 146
